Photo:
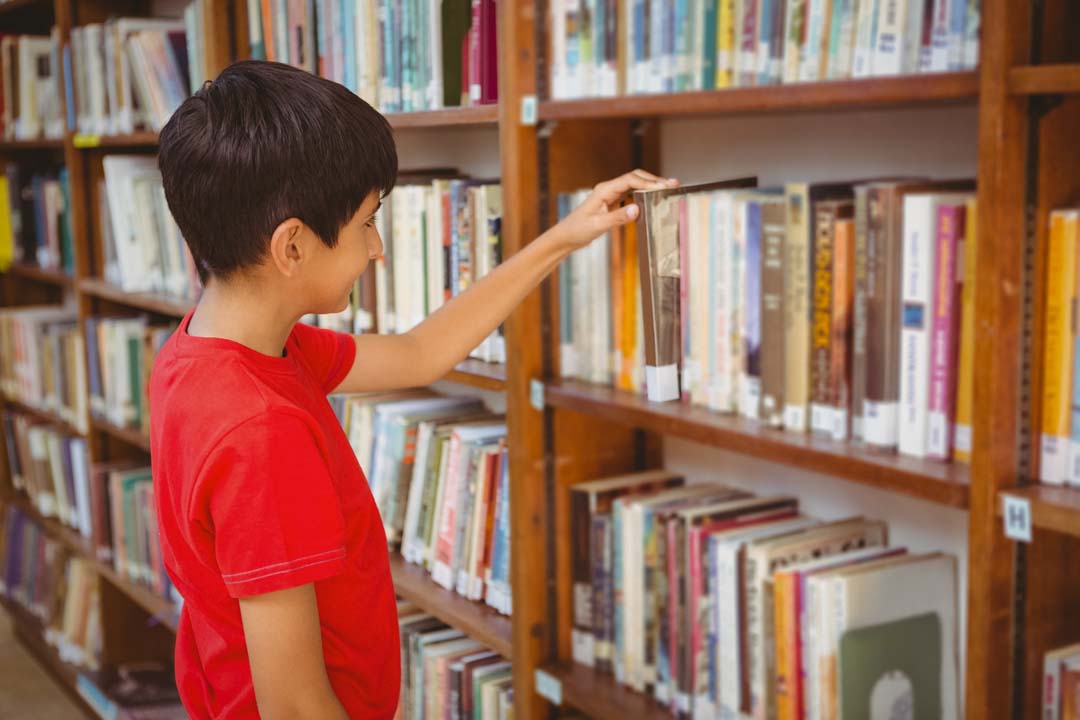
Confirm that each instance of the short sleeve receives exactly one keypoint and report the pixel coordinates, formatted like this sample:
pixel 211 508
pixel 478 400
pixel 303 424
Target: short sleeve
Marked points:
pixel 328 355
pixel 276 516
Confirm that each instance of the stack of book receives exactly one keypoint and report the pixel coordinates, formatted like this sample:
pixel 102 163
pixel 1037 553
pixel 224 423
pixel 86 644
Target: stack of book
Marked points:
pixel 1061 684
pixel 400 56
pixel 42 361
pixel 52 468
pixel 1060 426
pixel 437 467
pixel 30 76
pixel 793 307
pixel 59 588
pixel 714 601
pixel 127 74
pixel 439 236
pixel 120 356
pixel 35 218
pixel 446 674
pixel 603 48
pixel 143 248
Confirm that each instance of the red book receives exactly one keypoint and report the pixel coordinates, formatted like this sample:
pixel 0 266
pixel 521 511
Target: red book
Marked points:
pixel 489 55
pixel 943 341
pixel 475 79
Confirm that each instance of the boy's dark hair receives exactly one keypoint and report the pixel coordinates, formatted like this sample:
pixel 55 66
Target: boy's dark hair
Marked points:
pixel 260 144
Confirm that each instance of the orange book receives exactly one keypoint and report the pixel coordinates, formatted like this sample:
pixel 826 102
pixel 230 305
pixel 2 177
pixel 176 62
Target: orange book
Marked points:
pixel 268 30
pixel 628 350
pixel 966 366
pixel 616 260
pixel 784 613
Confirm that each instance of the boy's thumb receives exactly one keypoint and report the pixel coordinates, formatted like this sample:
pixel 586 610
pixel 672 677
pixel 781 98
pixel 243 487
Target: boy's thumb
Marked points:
pixel 620 216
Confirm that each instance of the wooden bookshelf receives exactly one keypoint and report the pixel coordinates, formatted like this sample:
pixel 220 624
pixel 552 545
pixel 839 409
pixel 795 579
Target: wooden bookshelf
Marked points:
pixel 33 272
pixel 45 416
pixel 479 374
pixel 11 6
pixel 38 144
pixel 944 483
pixel 478 115
pixel 162 610
pixel 131 436
pixel 1045 79
pixel 1052 507
pixel 475 619
pixel 890 92
pixel 597 695
pixel 141 139
pixel 160 304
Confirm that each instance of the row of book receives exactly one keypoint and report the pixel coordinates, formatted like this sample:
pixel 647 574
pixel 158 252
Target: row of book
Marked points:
pixel 440 235
pixel 719 603
pixel 1060 422
pixel 120 355
pixel 58 588
pixel 111 505
pixel 1061 684
pixel 437 467
pixel 30 76
pixel 128 73
pixel 445 674
pixel 35 219
pixel 42 361
pixel 603 48
pixel 399 55
pixel 841 308
pixel 143 248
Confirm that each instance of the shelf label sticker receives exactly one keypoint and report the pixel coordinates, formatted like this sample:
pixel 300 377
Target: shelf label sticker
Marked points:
pixel 536 395
pixel 83 141
pixel 1017 516
pixel 528 110
pixel 548 687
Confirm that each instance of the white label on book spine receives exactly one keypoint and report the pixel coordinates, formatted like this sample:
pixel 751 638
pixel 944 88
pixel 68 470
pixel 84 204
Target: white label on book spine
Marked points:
pixel 937 442
pixel 584 648
pixel 962 439
pixel 839 430
pixel 795 418
pixel 662 383
pixel 1074 464
pixel 1053 462
pixel 880 423
pixel 820 418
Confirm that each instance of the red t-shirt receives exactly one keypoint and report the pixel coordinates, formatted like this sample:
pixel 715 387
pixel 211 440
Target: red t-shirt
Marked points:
pixel 257 490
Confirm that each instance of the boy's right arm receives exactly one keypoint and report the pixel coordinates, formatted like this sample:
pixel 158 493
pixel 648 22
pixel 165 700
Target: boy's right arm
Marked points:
pixel 284 644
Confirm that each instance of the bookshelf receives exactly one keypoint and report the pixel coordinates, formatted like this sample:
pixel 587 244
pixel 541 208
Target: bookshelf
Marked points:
pixel 1026 94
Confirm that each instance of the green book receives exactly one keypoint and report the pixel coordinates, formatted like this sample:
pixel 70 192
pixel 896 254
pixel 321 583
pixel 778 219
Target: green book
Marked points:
pixel 892 670
pixel 456 20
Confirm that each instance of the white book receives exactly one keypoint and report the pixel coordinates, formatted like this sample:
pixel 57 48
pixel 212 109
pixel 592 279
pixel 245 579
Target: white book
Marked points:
pixel 917 295
pixel 862 64
pixel 720 372
pixel 891 28
pixel 35 87
pixel 816 33
pixel 913 36
pixel 435 261
pixel 941 45
pixel 738 290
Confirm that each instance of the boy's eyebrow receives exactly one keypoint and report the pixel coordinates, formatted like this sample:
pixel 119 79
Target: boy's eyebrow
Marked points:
pixel 377 208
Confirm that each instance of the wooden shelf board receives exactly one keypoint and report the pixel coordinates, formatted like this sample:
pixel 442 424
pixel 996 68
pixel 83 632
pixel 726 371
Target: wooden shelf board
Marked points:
pixel 479 374
pixel 1045 79
pixel 941 88
pixel 596 694
pixel 1053 507
pixel 33 272
pixel 44 416
pixel 36 144
pixel 13 5
pixel 447 117
pixel 944 483
pixel 161 304
pixel 141 139
pixel 475 619
pixel 132 436
pixel 161 609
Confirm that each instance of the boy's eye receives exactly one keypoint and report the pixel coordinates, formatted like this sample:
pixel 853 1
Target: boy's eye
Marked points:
pixel 371 221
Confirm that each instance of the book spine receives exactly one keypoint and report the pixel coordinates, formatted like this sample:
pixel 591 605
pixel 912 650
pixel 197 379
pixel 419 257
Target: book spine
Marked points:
pixel 1057 352
pixel 794 38
pixel 797 257
pixel 746 37
pixel 773 357
pixel 1072 235
pixel 889 51
pixel 840 367
pixel 966 365
pixel 684 296
pixel 821 343
pixel 750 394
pixel 725 44
pixel 865 23
pixel 720 368
pixel 582 637
pixel 783 631
pixel 917 289
pixel 884 257
pixel 858 331
pixel 950 228
pixel 619 594
pixel 659 293
pixel 602 591
pixel 1051 687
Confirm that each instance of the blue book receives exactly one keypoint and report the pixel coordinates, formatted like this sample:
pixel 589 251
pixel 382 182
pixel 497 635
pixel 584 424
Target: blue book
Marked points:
pixel 667 46
pixel 764 44
pixel 957 34
pixel 752 313
pixel 683 43
pixel 348 34
pixel 708 68
pixel 641 41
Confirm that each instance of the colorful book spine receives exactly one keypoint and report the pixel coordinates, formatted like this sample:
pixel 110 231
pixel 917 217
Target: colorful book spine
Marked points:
pixel 965 381
pixel 843 281
pixel 821 342
pixel 950 228
pixel 797 279
pixel 1057 352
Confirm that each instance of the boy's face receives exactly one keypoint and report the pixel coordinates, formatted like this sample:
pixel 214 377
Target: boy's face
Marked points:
pixel 335 270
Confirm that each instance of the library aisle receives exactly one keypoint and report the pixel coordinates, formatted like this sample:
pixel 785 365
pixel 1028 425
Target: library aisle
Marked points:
pixel 26 690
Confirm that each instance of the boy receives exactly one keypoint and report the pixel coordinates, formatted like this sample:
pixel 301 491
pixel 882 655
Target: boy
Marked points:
pixel 267 525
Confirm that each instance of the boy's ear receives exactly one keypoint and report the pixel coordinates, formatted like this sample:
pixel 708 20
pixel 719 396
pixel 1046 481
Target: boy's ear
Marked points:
pixel 288 246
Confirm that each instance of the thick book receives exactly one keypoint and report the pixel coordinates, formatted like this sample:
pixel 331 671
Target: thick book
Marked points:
pixel 773 351
pixel 1057 351
pixel 945 326
pixel 965 390
pixel 840 347
pixel 825 215
pixel 659 263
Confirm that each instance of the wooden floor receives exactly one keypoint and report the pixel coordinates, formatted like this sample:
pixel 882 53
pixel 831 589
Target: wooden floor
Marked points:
pixel 27 692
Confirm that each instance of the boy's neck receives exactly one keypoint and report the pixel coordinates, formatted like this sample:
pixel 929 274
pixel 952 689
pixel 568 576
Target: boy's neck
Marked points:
pixel 245 314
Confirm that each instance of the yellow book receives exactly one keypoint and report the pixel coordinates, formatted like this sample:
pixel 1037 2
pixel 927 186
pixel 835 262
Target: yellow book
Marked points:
pixel 630 304
pixel 783 616
pixel 725 44
pixel 1057 352
pixel 7 240
pixel 965 380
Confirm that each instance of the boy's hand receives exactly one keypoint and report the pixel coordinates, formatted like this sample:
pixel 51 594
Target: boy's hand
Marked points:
pixel 600 212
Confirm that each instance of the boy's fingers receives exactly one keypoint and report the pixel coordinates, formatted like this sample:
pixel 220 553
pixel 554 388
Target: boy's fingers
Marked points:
pixel 611 190
pixel 617 217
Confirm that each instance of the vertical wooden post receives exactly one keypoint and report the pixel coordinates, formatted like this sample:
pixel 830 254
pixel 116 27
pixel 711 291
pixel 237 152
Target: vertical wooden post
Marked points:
pixel 996 458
